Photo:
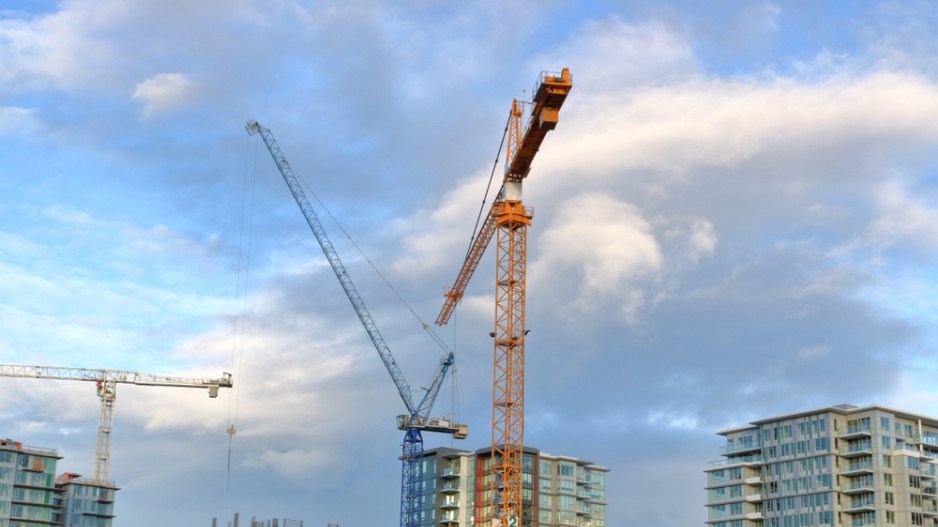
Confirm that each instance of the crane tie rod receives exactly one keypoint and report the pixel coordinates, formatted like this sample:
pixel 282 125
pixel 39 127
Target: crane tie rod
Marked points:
pixel 488 188
pixel 426 327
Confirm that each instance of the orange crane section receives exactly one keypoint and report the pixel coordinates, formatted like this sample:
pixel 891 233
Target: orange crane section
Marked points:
pixel 510 219
pixel 549 95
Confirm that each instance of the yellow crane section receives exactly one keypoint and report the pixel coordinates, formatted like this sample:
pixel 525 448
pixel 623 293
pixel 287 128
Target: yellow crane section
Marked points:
pixel 510 219
pixel 549 95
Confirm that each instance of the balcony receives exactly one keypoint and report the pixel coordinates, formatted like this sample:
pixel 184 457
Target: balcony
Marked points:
pixel 449 472
pixel 740 448
pixel 755 516
pixel 856 449
pixel 855 431
pixel 754 498
pixel 449 504
pixel 859 486
pixel 927 469
pixel 450 487
pixel 864 504
pixel 753 481
pixel 754 460
pixel 861 467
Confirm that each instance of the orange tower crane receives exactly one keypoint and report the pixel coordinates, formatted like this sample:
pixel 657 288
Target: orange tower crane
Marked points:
pixel 511 219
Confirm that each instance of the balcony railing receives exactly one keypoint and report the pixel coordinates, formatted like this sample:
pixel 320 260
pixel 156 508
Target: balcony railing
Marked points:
pixel 741 447
pixel 754 459
pixel 853 431
pixel 865 465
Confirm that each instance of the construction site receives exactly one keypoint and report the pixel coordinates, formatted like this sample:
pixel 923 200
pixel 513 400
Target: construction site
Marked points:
pixel 643 263
pixel 507 484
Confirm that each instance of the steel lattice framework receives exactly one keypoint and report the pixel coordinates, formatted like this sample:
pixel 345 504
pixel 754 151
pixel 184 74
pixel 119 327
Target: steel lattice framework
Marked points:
pixel 418 417
pixel 107 381
pixel 511 219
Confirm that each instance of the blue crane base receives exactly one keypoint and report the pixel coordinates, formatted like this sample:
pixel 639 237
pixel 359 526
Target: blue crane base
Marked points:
pixel 411 476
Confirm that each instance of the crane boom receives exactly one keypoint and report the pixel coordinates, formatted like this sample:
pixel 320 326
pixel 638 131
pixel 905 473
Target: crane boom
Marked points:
pixel 417 417
pixel 107 381
pixel 117 376
pixel 481 242
pixel 549 95
pixel 338 267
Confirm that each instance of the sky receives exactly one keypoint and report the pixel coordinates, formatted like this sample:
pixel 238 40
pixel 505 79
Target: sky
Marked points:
pixel 735 218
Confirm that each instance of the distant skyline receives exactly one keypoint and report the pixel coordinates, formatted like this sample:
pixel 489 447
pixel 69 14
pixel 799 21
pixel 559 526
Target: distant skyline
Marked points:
pixel 737 216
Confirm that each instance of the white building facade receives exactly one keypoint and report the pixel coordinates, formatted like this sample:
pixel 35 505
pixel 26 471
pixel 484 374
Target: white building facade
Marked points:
pixel 842 466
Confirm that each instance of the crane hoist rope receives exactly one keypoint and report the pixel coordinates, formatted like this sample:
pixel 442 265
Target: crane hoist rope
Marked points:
pixel 426 327
pixel 241 294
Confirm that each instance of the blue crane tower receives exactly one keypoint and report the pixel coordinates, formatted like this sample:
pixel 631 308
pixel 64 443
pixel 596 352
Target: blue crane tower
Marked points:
pixel 417 417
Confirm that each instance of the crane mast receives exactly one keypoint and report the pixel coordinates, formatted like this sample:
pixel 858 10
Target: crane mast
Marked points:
pixel 106 382
pixel 417 417
pixel 509 218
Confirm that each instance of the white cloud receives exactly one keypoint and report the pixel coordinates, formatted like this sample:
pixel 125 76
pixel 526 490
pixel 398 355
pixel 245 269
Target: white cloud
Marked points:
pixel 902 219
pixel 723 123
pixel 294 463
pixel 599 244
pixel 61 49
pixel 813 352
pixel 15 120
pixel 612 54
pixel 163 93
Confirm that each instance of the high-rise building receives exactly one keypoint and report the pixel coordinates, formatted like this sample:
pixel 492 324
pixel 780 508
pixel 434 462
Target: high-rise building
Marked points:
pixel 31 495
pixel 27 486
pixel 840 466
pixel 558 491
pixel 85 502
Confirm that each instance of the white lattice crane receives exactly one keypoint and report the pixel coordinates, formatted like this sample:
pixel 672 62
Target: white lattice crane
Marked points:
pixel 107 381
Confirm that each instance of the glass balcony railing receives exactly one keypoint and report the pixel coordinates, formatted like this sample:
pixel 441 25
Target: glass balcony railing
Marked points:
pixel 855 430
pixel 740 447
pixel 866 464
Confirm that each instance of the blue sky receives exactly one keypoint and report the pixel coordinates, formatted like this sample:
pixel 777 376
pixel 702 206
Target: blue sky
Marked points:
pixel 735 218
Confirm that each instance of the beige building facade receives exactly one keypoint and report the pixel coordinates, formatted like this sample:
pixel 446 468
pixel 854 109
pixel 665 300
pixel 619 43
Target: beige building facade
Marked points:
pixel 558 491
pixel 842 466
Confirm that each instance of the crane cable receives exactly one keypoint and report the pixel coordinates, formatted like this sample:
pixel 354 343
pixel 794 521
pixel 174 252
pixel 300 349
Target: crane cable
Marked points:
pixel 237 338
pixel 475 233
pixel 488 188
pixel 426 327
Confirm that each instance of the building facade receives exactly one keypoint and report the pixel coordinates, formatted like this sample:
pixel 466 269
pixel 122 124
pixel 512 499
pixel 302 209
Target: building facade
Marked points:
pixel 32 496
pixel 558 491
pixel 85 502
pixel 843 466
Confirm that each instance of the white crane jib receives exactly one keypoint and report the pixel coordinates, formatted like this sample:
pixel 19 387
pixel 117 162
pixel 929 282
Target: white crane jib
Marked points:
pixel 107 381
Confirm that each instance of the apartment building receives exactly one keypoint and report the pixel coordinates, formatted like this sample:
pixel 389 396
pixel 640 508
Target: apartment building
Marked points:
pixel 32 496
pixel 843 466
pixel 85 502
pixel 558 491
